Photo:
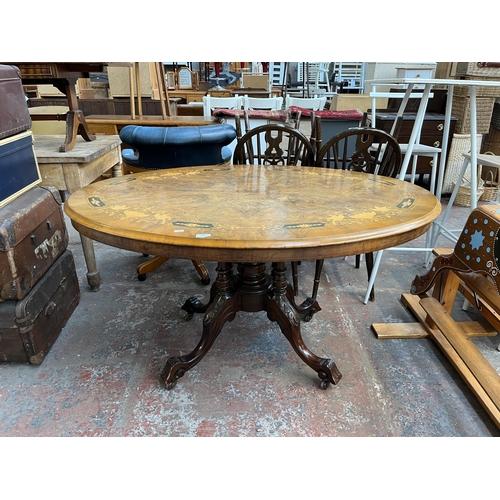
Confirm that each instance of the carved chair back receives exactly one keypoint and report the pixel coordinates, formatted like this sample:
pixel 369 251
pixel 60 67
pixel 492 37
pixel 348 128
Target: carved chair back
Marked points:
pixel 362 149
pixel 274 144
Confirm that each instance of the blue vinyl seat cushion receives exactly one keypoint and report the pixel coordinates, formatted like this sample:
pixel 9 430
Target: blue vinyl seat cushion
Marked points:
pixel 170 147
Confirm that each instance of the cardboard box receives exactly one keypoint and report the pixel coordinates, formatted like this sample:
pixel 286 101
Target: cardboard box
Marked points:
pixel 363 102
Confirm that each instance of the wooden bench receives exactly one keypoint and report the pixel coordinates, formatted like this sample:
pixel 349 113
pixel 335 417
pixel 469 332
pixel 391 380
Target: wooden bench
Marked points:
pixel 448 276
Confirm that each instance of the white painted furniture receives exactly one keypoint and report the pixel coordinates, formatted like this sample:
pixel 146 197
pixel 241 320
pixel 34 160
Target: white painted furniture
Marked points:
pixel 315 103
pixel 210 103
pixel 262 102
pixel 351 72
pixel 416 72
pixel 277 73
pixel 439 227
pixel 417 127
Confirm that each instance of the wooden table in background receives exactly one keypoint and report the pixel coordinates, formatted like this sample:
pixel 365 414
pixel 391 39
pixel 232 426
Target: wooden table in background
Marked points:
pixel 74 169
pixel 112 124
pixel 64 77
pixel 188 95
pixel 252 215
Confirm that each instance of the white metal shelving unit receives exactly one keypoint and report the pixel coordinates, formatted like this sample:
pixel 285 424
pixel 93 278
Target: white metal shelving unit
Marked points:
pixel 353 73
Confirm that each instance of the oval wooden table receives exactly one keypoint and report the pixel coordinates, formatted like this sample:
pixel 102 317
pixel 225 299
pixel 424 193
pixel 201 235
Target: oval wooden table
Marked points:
pixel 252 215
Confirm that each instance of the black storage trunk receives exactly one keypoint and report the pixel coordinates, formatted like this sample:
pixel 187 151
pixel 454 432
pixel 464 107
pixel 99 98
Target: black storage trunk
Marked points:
pixel 29 327
pixel 14 113
pixel 33 235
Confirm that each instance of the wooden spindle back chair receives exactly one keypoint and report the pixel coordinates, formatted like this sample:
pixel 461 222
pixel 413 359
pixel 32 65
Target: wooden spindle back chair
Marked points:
pixel 360 149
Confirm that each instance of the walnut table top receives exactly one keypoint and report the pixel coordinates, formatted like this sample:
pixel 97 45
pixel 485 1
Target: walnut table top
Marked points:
pixel 252 213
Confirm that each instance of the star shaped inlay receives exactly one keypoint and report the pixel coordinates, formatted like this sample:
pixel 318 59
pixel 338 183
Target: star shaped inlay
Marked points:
pixel 476 240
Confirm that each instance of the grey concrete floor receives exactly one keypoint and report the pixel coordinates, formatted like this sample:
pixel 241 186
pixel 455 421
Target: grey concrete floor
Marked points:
pixel 101 377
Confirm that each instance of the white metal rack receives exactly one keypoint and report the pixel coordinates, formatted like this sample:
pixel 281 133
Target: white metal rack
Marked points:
pixel 352 72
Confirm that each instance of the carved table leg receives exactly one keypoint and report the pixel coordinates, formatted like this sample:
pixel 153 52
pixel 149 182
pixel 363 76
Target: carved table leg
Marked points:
pixel 307 309
pixel 221 309
pixel 75 124
pixel 75 119
pixel 194 305
pixel 251 290
pixel 309 306
pixel 281 310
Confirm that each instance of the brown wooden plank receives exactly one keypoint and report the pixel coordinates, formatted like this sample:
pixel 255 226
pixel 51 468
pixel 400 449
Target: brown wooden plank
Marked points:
pixel 470 328
pixel 122 119
pixel 445 289
pixel 417 331
pixel 465 372
pixel 481 369
pixel 399 331
pixel 467 376
pixel 485 309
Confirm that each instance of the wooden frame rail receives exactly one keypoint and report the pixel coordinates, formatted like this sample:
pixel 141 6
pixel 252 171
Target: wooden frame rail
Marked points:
pixel 433 312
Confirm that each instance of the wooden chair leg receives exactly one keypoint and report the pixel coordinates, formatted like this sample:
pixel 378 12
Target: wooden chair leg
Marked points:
pixel 149 265
pixel 202 271
pixel 295 278
pixel 369 269
pixel 155 262
pixel 317 276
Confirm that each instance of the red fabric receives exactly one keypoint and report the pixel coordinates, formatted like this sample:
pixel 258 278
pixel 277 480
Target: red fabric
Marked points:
pixel 267 114
pixel 350 114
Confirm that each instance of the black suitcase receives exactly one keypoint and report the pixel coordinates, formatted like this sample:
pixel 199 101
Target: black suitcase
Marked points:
pixel 33 235
pixel 29 327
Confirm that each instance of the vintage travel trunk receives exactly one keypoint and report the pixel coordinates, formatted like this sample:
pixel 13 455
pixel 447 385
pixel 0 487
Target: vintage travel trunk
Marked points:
pixel 33 235
pixel 14 113
pixel 29 327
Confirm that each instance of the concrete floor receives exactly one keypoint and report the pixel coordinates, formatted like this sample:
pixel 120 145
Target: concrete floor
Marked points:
pixel 101 378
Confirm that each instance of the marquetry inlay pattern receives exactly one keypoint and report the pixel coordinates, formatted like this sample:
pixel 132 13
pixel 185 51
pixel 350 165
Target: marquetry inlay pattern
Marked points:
pixel 253 211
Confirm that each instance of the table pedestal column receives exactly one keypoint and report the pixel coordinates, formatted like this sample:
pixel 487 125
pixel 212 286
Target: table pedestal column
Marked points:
pixel 251 290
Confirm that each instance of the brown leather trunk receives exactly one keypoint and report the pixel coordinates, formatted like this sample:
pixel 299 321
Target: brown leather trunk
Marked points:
pixel 29 327
pixel 14 115
pixel 33 235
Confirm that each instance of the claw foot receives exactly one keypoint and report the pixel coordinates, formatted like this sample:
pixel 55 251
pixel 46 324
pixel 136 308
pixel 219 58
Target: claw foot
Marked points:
pixel 193 305
pixel 171 374
pixel 308 308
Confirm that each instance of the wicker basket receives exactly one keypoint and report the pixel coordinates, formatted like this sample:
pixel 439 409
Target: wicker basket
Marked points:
pixel 491 188
pixel 472 69
pixel 464 90
pixel 463 197
pixel 461 143
pixel 461 110
pixel 495 116
pixel 491 142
